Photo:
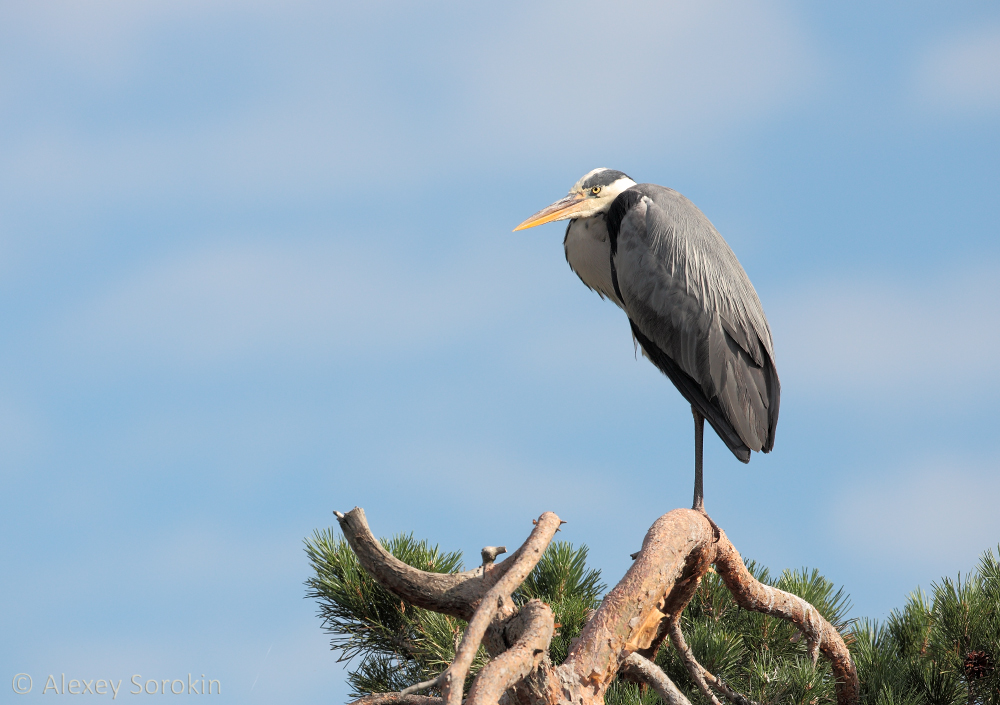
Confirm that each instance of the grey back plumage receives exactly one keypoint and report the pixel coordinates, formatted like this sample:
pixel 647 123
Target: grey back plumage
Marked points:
pixel 695 312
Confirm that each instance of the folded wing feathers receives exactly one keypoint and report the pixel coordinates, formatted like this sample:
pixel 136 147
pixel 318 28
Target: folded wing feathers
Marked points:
pixel 685 290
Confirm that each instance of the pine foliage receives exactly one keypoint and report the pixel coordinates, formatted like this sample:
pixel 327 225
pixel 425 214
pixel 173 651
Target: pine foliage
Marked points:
pixel 562 580
pixel 760 656
pixel 390 643
pixel 939 649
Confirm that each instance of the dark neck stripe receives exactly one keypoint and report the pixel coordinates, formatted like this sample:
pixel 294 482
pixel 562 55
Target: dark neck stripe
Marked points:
pixel 616 214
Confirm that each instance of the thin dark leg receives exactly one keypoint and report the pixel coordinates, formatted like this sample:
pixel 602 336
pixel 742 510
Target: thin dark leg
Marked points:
pixel 699 441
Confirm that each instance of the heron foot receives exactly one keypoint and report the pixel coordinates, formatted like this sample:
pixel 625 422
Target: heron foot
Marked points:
pixel 715 527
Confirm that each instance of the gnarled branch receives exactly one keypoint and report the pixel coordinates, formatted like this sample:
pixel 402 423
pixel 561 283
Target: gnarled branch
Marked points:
pixel 694 668
pixel 699 674
pixel 623 635
pixel 497 598
pixel 531 648
pixel 640 668
pixel 396 699
pixel 751 594
pixel 677 550
pixel 455 594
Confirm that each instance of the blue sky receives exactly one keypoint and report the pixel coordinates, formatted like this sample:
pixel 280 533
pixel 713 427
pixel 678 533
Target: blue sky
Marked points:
pixel 256 264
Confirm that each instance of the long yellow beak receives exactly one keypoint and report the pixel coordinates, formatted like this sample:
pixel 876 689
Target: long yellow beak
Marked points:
pixel 560 210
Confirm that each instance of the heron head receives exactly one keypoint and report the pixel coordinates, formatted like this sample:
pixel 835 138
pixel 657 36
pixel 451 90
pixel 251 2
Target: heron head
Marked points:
pixel 589 196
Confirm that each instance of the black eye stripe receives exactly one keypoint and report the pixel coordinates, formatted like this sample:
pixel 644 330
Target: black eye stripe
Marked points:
pixel 603 178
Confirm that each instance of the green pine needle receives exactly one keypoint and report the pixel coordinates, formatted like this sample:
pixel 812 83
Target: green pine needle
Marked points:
pixel 941 648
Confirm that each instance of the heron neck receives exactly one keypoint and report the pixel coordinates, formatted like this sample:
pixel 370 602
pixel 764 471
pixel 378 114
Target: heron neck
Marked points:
pixel 588 253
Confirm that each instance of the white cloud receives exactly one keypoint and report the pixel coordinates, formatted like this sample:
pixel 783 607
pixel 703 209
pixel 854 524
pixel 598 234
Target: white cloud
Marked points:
pixel 961 75
pixel 645 75
pixel 208 306
pixel 315 302
pixel 889 342
pixel 932 338
pixel 484 84
pixel 939 514
pixel 322 302
pixel 102 39
pixel 228 604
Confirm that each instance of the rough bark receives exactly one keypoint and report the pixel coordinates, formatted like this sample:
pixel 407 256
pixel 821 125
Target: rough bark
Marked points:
pixel 455 594
pixel 397 699
pixel 529 651
pixel 676 552
pixel 621 636
pixel 820 634
pixel 497 605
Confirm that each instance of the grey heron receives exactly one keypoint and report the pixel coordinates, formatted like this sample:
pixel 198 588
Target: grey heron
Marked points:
pixel 688 300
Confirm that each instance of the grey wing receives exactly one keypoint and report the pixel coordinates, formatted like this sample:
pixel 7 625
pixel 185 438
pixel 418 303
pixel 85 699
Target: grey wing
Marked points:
pixel 695 313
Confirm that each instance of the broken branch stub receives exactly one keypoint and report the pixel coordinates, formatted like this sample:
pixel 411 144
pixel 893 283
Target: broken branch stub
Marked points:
pixel 490 553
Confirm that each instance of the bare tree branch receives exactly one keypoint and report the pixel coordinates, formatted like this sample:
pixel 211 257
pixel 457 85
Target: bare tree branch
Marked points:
pixel 694 668
pixel 622 635
pixel 498 597
pixel 753 595
pixel 700 674
pixel 422 685
pixel 731 695
pixel 677 550
pixel 677 600
pixel 640 668
pixel 529 651
pixel 396 699
pixel 455 594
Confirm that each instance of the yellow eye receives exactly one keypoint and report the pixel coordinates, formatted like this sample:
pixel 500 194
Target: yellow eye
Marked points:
pixel 596 190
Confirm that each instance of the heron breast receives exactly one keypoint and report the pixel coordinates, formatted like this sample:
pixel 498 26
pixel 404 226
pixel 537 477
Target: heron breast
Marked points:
pixel 588 253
